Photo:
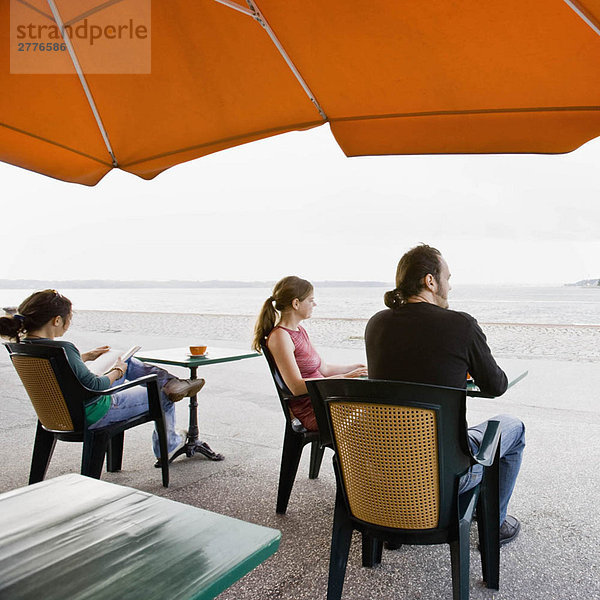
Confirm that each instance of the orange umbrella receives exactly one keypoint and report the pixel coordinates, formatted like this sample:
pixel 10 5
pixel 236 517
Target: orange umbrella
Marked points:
pixel 144 86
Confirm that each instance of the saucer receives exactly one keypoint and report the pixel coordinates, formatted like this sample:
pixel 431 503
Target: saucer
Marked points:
pixel 190 355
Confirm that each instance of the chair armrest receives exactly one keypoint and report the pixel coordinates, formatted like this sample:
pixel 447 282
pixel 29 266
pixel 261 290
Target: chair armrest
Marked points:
pixel 124 386
pixel 154 404
pixel 489 444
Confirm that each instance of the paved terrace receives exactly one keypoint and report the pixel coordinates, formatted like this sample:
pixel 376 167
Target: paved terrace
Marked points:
pixel 556 557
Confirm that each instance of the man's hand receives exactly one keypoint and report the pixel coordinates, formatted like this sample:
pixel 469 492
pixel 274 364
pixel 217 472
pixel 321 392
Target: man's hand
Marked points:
pixel 357 371
pixel 95 353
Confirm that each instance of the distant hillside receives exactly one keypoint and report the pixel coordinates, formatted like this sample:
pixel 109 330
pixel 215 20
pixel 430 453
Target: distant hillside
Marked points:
pixel 36 284
pixel 586 283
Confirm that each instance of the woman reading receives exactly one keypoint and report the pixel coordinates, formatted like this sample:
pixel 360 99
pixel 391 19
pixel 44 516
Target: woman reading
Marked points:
pixel 46 315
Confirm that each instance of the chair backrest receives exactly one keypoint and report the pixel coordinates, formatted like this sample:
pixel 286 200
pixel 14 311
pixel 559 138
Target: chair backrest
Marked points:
pixel 55 392
pixel 400 449
pixel 283 391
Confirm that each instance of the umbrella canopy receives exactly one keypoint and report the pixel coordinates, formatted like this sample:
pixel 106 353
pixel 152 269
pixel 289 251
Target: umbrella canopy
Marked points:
pixel 390 76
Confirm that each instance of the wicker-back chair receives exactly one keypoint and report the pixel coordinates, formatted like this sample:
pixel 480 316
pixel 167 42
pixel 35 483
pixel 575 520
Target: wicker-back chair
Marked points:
pixel 59 400
pixel 400 449
pixel 295 437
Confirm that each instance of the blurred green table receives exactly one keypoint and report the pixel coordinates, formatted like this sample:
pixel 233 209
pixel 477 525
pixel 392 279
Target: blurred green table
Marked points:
pixel 80 538
pixel 180 357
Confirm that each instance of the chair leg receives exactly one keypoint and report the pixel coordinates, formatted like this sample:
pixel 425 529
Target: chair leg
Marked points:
pixel 378 551
pixel 340 547
pixel 43 447
pixel 158 415
pixel 459 555
pixel 488 510
pixel 290 459
pixel 489 545
pixel 114 453
pixel 368 559
pixel 316 458
pixel 159 424
pixel 95 444
pixel 371 550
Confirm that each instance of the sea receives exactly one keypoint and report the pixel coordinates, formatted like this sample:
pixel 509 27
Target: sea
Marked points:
pixel 548 305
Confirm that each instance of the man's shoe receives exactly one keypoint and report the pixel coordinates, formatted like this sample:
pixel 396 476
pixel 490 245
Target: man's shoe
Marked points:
pixel 177 389
pixel 509 530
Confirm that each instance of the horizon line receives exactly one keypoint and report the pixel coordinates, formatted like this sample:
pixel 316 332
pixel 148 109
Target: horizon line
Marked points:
pixel 217 283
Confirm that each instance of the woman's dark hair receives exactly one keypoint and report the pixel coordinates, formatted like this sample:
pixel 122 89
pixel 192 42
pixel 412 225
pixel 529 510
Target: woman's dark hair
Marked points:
pixel 418 262
pixel 286 290
pixel 34 312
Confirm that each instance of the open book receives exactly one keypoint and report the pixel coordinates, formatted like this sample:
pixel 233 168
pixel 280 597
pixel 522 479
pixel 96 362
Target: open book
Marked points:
pixel 103 363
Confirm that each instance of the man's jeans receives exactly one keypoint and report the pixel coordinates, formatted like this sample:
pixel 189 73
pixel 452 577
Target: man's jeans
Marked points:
pixel 511 453
pixel 134 401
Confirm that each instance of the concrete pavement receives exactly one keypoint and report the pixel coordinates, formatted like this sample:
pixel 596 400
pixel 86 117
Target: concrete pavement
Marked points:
pixel 556 557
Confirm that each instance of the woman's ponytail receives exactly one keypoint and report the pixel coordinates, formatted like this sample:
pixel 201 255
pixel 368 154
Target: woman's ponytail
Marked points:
pixel 12 326
pixel 264 324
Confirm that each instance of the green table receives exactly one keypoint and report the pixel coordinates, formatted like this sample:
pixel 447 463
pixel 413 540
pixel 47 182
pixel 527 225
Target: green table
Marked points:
pixel 80 538
pixel 514 376
pixel 180 357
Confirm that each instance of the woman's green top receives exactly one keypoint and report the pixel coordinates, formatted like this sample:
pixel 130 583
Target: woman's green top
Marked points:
pixel 98 407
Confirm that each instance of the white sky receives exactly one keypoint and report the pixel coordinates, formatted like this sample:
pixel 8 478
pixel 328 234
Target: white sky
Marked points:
pixel 294 204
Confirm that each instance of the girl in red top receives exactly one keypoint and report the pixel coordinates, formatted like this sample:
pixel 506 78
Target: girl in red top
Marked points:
pixel 279 324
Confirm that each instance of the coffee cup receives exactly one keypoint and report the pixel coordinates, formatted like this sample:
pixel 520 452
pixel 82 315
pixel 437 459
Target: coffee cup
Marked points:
pixel 197 350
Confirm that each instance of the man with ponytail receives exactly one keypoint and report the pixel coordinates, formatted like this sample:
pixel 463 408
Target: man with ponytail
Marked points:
pixel 278 326
pixel 46 315
pixel 419 339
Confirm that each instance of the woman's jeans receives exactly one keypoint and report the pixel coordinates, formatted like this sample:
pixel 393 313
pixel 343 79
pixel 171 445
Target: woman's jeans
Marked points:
pixel 512 443
pixel 133 401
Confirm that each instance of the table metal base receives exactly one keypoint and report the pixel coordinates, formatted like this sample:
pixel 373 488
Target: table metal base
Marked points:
pixel 178 357
pixel 193 444
pixel 192 447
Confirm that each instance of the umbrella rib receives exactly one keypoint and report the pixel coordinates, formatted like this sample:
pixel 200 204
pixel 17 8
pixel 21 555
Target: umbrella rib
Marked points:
pixel 478 111
pixel 226 140
pixel 82 79
pixel 236 6
pixel 92 11
pixel 255 13
pixel 261 19
pixel 35 9
pixel 43 139
pixel 582 14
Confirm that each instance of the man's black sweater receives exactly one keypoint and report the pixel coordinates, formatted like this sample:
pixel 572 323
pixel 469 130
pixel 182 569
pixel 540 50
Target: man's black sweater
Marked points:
pixel 425 343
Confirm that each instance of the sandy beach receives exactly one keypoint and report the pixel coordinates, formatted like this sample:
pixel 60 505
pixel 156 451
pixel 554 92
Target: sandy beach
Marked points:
pixel 507 340
pixel 556 556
